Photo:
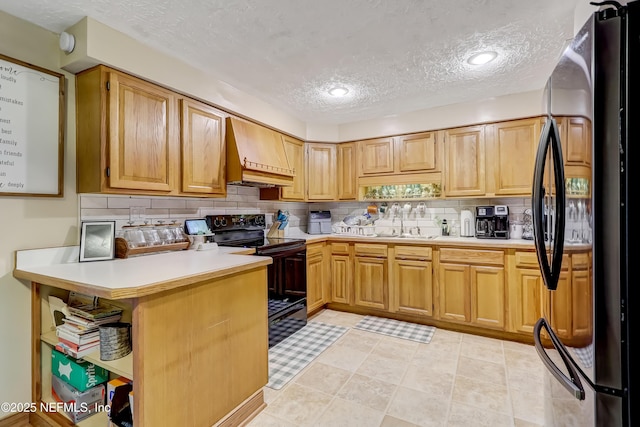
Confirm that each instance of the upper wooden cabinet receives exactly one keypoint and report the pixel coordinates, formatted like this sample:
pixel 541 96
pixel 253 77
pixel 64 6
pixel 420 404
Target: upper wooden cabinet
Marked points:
pixel 129 138
pixel 376 156
pixel 321 171
pixel 294 149
pixel 203 149
pixel 415 153
pixel 418 153
pixel 347 189
pixel 576 138
pixel 464 153
pixel 511 148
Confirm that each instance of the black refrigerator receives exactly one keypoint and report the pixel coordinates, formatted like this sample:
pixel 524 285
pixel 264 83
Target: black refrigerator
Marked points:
pixel 588 207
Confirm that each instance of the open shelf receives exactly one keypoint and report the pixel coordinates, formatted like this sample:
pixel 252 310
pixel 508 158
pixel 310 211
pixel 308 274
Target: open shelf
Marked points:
pixel 122 366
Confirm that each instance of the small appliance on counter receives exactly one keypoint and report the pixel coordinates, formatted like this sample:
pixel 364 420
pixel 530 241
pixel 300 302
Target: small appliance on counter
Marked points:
pixel 467 225
pixel 319 222
pixel 492 222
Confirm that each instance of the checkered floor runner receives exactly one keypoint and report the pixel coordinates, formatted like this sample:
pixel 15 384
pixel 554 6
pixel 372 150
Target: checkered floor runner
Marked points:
pixel 397 328
pixel 294 353
pixel 584 355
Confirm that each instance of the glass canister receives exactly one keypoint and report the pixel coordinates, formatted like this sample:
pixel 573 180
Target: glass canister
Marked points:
pixel 165 233
pixel 134 236
pixel 178 232
pixel 151 235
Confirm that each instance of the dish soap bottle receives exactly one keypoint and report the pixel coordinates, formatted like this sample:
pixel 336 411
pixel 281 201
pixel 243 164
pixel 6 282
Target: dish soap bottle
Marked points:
pixel 445 228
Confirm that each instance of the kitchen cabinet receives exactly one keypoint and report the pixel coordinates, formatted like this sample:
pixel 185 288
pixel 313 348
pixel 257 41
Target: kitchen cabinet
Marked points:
pixel 464 169
pixel 576 138
pixel 413 153
pixel 525 294
pixel 419 152
pixel 321 172
pixel 412 281
pixel 376 156
pixel 570 304
pixel 294 150
pixel 203 149
pixel 341 274
pixel 127 134
pixel 135 137
pixel 371 286
pixel 471 285
pixel 317 276
pixel 512 148
pixel 347 188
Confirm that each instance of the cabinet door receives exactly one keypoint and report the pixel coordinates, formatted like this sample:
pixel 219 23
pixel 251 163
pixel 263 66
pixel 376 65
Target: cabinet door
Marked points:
pixel 454 292
pixel 577 141
pixel 143 144
pixel 418 153
pixel 294 150
pixel 581 304
pixel 413 287
pixel 347 171
pixel 560 302
pixel 341 279
pixel 315 282
pixel 526 304
pixel 370 280
pixel 376 156
pixel 321 172
pixel 203 149
pixel 514 148
pixel 487 297
pixel 464 153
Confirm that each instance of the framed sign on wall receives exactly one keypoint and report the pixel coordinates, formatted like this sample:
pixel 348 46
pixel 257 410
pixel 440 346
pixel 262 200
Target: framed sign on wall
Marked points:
pixel 31 130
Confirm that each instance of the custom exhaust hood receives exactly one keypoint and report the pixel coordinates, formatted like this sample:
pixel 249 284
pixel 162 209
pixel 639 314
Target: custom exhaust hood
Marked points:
pixel 256 156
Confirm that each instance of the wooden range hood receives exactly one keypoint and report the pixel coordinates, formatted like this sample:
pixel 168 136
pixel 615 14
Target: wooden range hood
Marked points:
pixel 256 156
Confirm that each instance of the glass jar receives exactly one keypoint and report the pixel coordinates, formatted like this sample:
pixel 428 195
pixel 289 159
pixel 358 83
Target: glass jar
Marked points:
pixel 134 236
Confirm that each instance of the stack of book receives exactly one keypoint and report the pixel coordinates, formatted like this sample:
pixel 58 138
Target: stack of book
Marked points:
pixel 79 334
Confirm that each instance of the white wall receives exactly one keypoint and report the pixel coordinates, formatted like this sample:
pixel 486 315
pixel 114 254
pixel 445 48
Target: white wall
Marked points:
pixel 31 222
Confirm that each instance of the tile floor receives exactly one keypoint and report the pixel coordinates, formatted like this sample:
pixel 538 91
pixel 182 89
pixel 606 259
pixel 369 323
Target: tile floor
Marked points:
pixel 369 380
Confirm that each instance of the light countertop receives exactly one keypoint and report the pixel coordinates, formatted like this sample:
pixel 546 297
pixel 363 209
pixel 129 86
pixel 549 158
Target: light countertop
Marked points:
pixel 135 276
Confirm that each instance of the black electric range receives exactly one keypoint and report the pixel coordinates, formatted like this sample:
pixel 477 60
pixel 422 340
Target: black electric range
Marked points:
pixel 286 276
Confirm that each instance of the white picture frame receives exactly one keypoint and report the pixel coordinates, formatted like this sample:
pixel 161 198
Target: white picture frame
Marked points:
pixel 97 240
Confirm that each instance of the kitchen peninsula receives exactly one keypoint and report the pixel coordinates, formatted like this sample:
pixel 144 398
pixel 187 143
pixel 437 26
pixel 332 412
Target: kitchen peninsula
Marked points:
pixel 199 328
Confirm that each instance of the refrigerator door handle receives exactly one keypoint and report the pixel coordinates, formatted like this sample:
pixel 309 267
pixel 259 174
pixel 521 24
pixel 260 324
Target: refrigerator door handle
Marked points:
pixel 572 384
pixel 549 140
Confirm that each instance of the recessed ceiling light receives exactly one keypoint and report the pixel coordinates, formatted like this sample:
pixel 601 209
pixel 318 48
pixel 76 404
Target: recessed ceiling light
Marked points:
pixel 482 58
pixel 338 91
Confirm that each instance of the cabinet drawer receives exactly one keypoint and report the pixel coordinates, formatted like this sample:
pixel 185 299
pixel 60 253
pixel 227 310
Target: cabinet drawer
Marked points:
pixel 580 261
pixel 314 249
pixel 530 260
pixel 369 249
pixel 340 248
pixel 413 252
pixel 472 256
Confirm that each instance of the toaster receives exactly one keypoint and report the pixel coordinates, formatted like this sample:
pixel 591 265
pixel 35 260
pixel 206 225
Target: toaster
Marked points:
pixel 319 222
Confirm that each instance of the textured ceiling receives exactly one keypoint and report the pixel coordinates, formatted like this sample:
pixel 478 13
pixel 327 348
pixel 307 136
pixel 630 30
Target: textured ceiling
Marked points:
pixel 395 56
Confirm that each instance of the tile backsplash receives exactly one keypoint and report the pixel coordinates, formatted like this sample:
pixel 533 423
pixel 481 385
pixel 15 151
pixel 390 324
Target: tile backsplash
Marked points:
pixel 246 200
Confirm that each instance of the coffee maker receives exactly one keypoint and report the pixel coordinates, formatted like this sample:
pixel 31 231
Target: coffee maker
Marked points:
pixel 492 222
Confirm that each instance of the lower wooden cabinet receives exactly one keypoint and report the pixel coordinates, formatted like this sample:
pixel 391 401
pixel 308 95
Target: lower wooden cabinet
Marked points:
pixel 412 287
pixel 525 305
pixel 471 284
pixel 483 289
pixel 371 282
pixel 454 302
pixel 317 276
pixel 488 297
